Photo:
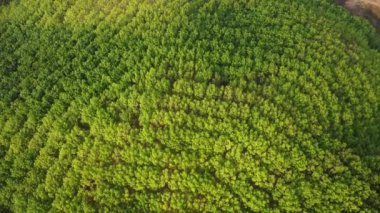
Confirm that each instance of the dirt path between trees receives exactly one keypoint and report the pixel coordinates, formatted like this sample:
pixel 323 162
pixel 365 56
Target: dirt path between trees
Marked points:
pixel 369 9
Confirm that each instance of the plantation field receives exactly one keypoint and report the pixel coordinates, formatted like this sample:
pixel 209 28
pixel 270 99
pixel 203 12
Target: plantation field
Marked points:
pixel 188 106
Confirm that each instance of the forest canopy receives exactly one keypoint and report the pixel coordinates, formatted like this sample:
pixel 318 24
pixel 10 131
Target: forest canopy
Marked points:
pixel 196 106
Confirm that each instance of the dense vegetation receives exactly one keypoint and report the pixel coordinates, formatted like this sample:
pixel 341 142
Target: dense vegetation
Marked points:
pixel 176 105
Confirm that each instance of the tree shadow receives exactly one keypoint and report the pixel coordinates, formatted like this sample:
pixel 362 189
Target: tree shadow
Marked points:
pixel 4 2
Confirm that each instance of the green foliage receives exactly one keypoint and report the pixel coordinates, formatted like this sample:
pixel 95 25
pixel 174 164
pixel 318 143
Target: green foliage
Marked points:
pixel 166 105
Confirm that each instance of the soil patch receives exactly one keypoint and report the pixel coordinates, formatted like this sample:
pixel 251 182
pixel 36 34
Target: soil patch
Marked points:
pixel 369 9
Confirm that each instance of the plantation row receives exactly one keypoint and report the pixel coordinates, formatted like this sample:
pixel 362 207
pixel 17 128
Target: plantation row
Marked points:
pixel 209 106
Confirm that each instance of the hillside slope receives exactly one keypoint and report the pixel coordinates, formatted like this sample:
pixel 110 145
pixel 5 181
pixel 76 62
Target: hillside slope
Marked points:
pixel 167 105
